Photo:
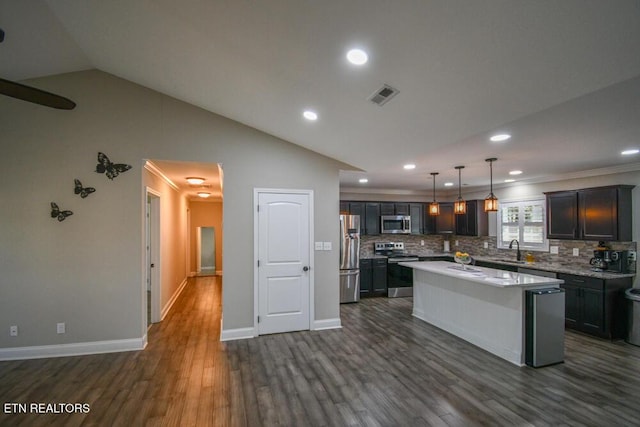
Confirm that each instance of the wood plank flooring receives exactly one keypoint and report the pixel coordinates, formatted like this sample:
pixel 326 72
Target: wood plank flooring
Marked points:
pixel 383 368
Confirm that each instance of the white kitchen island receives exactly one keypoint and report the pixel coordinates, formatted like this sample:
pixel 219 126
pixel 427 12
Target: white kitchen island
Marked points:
pixel 483 306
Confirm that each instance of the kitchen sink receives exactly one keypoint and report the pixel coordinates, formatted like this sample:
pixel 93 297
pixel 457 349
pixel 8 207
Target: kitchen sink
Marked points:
pixel 510 261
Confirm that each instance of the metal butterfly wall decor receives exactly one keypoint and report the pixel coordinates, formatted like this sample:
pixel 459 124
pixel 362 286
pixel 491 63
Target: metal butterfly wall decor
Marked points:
pixel 108 168
pixel 82 191
pixel 57 213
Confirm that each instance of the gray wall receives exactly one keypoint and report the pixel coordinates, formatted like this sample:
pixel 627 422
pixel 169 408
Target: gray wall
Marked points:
pixel 87 270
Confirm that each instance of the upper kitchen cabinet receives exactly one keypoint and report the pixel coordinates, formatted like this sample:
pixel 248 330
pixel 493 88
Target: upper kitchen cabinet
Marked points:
pixel 601 213
pixel 394 208
pixel 416 211
pixel 475 222
pixel 443 223
pixel 371 218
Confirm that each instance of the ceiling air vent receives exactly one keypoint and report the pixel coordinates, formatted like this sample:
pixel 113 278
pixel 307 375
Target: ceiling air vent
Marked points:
pixel 383 95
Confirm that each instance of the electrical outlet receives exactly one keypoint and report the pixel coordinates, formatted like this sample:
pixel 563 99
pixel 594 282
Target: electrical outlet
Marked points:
pixel 13 331
pixel 318 246
pixel 632 256
pixel 553 249
pixel 326 246
pixel 576 252
pixel 486 245
pixel 456 243
pixel 421 242
pixel 61 328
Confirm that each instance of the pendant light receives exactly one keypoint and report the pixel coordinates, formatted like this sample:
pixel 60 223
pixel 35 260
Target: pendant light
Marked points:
pixel 434 207
pixel 460 206
pixel 491 201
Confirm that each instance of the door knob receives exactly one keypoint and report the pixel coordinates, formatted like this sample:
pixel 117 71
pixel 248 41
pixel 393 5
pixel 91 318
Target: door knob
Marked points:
pixel 305 268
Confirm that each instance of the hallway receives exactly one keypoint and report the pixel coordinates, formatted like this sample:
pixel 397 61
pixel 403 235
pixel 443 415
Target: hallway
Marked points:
pixel 383 368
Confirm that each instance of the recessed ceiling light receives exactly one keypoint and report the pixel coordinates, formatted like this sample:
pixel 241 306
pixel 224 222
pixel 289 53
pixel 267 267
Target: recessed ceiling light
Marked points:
pixel 515 172
pixel 630 152
pixel 357 56
pixel 363 180
pixel 203 194
pixel 409 166
pixel 509 180
pixel 500 137
pixel 194 180
pixel 448 184
pixel 310 115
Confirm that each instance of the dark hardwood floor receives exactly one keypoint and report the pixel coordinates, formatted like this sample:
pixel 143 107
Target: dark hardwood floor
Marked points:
pixel 383 368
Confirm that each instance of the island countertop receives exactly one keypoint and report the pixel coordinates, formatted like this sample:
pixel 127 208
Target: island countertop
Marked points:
pixel 483 275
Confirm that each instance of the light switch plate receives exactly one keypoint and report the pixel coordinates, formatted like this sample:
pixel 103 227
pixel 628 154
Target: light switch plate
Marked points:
pixel 576 252
pixel 553 249
pixel 326 246
pixel 61 328
pixel 318 246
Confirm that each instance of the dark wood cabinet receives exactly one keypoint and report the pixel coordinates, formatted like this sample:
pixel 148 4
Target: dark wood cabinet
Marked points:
pixel 416 211
pixel 601 213
pixel 475 222
pixel 445 222
pixel 371 218
pixel 370 213
pixel 373 277
pixel 605 213
pixel 562 215
pixel 402 208
pixel 388 208
pixel 595 306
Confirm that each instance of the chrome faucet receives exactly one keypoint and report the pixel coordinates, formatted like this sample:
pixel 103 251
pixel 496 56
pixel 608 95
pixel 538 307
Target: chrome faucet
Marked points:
pixel 518 254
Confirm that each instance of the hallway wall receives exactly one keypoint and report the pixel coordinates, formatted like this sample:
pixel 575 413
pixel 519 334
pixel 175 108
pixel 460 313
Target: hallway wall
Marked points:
pixel 87 270
pixel 205 214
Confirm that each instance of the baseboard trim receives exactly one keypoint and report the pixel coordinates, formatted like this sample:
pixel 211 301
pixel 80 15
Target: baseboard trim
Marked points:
pixel 319 325
pixel 74 349
pixel 173 299
pixel 236 334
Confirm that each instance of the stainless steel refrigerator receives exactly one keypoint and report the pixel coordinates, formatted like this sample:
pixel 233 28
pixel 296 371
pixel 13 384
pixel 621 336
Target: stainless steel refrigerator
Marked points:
pixel 349 258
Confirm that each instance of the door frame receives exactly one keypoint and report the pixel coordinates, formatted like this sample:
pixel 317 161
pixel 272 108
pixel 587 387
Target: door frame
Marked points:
pixel 152 235
pixel 256 301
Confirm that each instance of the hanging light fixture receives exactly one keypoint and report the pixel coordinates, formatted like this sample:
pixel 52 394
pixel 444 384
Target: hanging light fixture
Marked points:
pixel 460 206
pixel 491 201
pixel 434 207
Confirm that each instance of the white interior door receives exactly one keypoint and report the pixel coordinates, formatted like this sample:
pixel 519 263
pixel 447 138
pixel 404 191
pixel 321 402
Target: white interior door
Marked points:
pixel 153 256
pixel 284 269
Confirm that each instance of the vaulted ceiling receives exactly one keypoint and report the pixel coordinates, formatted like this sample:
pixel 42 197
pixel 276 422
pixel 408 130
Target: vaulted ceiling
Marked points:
pixel 562 77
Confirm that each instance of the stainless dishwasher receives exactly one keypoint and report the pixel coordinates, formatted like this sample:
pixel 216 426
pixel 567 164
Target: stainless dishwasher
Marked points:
pixel 544 327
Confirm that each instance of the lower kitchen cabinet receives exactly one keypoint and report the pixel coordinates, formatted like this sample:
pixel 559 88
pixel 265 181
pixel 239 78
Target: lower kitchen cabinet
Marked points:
pixel 595 306
pixel 373 277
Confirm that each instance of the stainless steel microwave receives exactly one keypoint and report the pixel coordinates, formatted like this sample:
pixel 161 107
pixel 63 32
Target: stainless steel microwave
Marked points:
pixel 395 224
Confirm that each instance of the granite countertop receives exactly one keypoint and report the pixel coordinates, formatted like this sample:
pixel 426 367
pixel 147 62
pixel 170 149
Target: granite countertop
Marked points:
pixel 482 275
pixel 558 268
pixel 578 270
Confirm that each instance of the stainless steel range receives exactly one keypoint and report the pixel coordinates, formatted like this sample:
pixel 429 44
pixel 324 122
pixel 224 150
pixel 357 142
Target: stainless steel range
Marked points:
pixel 399 278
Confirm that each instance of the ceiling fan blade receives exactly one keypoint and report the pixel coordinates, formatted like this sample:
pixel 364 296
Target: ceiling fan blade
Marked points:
pixel 37 96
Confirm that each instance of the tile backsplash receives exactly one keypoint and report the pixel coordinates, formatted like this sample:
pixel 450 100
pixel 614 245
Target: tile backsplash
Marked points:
pixel 429 244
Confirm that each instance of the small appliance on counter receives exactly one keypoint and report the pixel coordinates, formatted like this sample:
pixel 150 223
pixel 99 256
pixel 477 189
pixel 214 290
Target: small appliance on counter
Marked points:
pixel 617 261
pixel 349 258
pixel 598 262
pixel 399 278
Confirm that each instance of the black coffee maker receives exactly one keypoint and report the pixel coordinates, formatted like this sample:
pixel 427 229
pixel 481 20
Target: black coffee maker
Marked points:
pixel 618 261
pixel 601 257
